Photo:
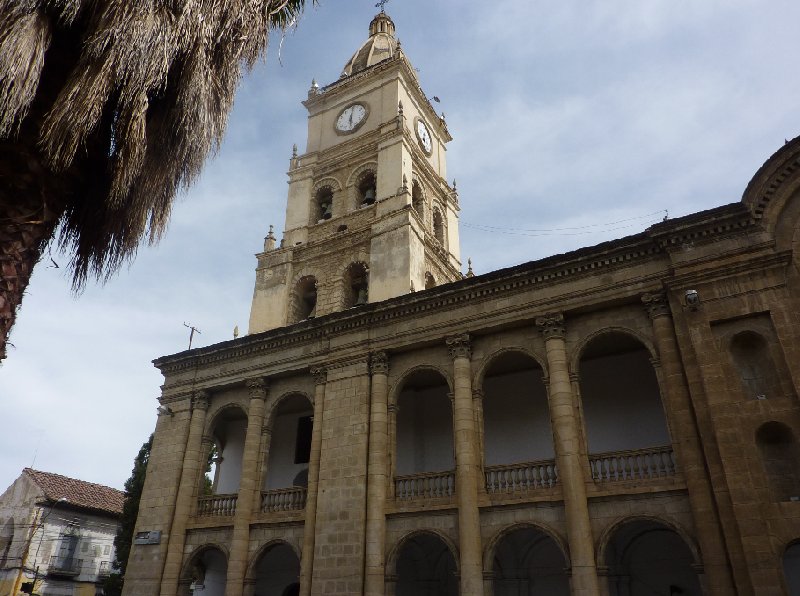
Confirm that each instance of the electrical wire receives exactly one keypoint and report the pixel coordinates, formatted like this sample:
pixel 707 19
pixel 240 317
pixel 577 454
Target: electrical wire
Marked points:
pixel 569 231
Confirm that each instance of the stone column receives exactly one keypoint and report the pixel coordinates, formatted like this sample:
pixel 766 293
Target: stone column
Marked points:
pixel 377 472
pixel 567 432
pixel 468 469
pixel 689 451
pixel 477 404
pixel 184 502
pixel 392 469
pixel 248 489
pixel 309 527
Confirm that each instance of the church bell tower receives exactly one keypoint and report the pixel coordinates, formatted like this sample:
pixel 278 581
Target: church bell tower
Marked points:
pixel 369 213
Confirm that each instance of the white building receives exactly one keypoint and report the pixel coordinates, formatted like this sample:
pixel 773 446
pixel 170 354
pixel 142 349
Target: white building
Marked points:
pixel 57 533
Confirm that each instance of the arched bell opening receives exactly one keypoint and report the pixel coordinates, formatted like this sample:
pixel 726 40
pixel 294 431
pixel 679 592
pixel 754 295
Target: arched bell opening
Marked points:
pixel 226 451
pixel 290 443
pixel 438 226
pixel 516 425
pixel 618 384
pixel 304 301
pixel 530 562
pixel 753 361
pixel 425 567
pixel 780 459
pixel 366 189
pixel 356 285
pixel 277 571
pixel 322 207
pixel 430 280
pixel 418 199
pixel 206 573
pixel 645 557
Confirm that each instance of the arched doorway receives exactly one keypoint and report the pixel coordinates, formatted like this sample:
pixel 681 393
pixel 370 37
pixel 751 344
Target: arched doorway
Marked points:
pixel 206 573
pixel 277 571
pixel 645 557
pixel 424 437
pixel 516 425
pixel 529 562
pixel 425 567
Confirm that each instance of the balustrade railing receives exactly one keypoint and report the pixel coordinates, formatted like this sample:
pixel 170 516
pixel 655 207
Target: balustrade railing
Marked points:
pixel 65 566
pixel 430 485
pixel 521 477
pixel 217 505
pixel 636 464
pixel 284 499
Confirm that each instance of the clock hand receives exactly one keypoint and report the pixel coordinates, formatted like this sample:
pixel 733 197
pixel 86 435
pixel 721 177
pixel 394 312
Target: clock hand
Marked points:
pixel 351 118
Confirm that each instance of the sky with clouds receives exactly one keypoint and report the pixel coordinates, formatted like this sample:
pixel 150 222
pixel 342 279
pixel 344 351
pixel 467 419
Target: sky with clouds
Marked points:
pixel 574 122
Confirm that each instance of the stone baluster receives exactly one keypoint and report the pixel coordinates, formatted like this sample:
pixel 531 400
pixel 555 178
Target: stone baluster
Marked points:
pixel 686 443
pixel 377 474
pixel 186 498
pixel 248 489
pixel 567 433
pixel 468 469
pixel 309 527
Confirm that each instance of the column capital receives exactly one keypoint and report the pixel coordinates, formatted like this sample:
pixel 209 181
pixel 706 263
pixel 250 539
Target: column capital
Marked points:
pixel 459 346
pixel 379 363
pixel 257 387
pixel 656 304
pixel 320 375
pixel 478 394
pixel 201 400
pixel 552 325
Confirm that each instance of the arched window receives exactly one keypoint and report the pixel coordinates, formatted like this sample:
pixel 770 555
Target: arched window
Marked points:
pixel 322 209
pixel 425 565
pixel 417 199
pixel 304 304
pixel 430 280
pixel 438 226
pixel 356 285
pixel 780 458
pixel 228 436
pixel 367 188
pixel 528 561
pixel 278 571
pixel 753 361
pixel 290 443
pixel 646 557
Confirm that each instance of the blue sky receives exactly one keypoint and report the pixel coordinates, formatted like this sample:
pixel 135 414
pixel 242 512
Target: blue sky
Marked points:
pixel 587 120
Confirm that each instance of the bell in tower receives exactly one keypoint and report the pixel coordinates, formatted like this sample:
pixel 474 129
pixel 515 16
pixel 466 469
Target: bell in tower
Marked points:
pixel 350 201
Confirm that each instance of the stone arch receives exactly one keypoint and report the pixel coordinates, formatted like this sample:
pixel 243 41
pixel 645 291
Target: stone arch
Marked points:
pixel 219 413
pixel 288 447
pixel 618 379
pixel 329 181
pixel 489 359
pixel 226 430
pixel 195 565
pixel 355 282
pixel 419 197
pixel 355 180
pixel 303 299
pixel 606 550
pixel 491 547
pixel 580 347
pixel 439 223
pixel 274 404
pixel 326 190
pixel 780 459
pixel 397 386
pixel 252 574
pixel 394 551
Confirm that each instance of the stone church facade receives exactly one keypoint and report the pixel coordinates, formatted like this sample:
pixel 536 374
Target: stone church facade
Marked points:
pixel 615 421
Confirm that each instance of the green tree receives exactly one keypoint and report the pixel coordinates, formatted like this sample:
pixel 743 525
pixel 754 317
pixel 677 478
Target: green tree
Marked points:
pixel 107 109
pixel 130 511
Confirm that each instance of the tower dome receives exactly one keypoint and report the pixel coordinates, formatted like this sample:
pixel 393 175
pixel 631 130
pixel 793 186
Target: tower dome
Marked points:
pixel 381 45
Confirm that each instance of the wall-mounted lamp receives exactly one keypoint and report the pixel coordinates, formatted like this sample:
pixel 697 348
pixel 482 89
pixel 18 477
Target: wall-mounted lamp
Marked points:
pixel 692 299
pixel 164 410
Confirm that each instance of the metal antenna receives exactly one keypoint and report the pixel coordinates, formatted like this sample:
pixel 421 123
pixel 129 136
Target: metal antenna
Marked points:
pixel 191 335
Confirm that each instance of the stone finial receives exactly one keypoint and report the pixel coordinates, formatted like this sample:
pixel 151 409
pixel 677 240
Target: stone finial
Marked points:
pixel 455 187
pixel 269 241
pixel 294 151
pixel 656 305
pixel 405 183
pixel 235 331
pixel 379 363
pixel 314 89
pixel 411 289
pixel 320 375
pixel 551 325
pixel 201 400
pixel 459 346
pixel 257 388
pixel 399 108
pixel 469 269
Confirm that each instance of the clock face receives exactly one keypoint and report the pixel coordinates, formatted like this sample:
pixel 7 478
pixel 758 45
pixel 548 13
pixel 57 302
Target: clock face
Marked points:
pixel 351 118
pixel 424 136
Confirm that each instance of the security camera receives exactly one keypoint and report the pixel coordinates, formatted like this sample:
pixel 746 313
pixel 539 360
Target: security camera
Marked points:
pixel 692 298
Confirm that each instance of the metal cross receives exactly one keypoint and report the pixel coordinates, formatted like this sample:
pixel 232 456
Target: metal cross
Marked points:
pixel 381 5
